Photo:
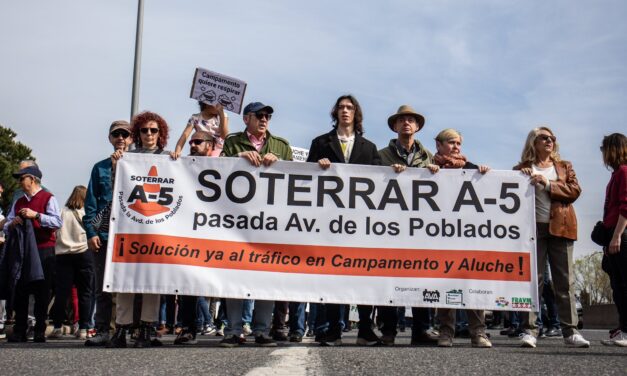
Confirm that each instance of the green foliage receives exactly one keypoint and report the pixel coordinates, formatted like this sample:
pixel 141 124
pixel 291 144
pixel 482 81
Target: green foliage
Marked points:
pixel 11 153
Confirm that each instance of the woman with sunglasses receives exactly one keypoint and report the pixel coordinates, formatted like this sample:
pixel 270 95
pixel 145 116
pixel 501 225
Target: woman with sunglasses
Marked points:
pixel 150 134
pixel 449 155
pixel 556 189
pixel 614 149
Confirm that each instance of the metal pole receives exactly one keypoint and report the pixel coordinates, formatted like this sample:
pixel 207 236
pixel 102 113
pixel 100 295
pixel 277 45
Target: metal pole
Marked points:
pixel 138 56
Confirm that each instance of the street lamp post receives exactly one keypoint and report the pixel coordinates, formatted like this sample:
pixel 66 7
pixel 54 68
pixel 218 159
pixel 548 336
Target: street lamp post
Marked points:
pixel 138 55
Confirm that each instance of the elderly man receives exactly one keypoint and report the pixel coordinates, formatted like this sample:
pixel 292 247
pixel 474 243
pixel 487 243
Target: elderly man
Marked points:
pixel 402 152
pixel 99 197
pixel 259 147
pixel 201 144
pixel 42 209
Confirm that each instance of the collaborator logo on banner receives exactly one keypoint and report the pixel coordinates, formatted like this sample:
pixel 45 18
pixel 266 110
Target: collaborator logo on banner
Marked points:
pixel 501 302
pixel 151 199
pixel 518 302
pixel 455 297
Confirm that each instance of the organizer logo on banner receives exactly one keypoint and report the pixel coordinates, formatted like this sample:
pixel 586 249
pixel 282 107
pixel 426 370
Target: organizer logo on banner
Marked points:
pixel 215 88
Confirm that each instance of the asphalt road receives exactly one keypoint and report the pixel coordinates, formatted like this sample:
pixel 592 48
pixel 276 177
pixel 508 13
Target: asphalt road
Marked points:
pixel 70 357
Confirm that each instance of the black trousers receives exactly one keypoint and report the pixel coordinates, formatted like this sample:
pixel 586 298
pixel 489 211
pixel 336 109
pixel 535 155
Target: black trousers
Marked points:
pixel 41 290
pixel 74 269
pixel 617 270
pixel 104 304
pixel 188 312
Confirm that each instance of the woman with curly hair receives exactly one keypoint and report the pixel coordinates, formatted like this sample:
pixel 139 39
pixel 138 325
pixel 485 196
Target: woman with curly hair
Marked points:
pixel 150 134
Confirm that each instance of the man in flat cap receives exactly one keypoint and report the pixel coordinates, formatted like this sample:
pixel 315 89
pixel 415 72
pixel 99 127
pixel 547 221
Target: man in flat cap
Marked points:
pixel 42 209
pixel 98 198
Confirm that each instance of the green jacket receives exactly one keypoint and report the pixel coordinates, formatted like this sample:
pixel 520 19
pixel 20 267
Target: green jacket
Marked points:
pixel 238 142
pixel 390 156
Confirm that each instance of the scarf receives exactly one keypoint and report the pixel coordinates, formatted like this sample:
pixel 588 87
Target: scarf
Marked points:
pixel 449 161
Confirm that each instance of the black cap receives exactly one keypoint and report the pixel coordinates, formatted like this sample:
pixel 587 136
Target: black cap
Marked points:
pixel 256 107
pixel 30 170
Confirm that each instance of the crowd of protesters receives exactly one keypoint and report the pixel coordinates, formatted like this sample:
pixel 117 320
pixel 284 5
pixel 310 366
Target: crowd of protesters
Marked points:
pixel 50 251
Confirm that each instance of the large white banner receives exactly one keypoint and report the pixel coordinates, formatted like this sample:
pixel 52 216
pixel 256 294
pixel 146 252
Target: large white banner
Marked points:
pixel 351 234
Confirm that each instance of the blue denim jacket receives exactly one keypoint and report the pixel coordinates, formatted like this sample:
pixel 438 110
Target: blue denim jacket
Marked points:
pixel 99 195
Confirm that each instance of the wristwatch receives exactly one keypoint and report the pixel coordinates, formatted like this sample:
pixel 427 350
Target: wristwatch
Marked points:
pixel 37 216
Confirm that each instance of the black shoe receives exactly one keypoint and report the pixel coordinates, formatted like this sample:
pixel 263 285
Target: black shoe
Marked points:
pixel 143 338
pixel 279 336
pixel 186 337
pixel 346 329
pixel 401 329
pixel 17 337
pixel 423 339
pixel 463 333
pixel 99 340
pixel 266 341
pixel 553 332
pixel 39 337
pixel 119 338
pixel 329 339
pixel 516 333
pixel 368 338
pixel 231 341
pixel 310 333
pixel 296 337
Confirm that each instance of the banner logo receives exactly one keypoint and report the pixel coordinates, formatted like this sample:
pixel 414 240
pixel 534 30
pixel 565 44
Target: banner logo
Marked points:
pixel 431 296
pixel 455 297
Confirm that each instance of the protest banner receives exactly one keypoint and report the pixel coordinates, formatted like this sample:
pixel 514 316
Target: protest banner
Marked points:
pixel 221 227
pixel 211 88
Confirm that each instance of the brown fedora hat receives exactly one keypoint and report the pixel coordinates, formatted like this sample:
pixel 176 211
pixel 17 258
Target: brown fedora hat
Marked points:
pixel 406 110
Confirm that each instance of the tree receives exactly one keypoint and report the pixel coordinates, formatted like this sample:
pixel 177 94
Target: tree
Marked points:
pixel 11 153
pixel 591 282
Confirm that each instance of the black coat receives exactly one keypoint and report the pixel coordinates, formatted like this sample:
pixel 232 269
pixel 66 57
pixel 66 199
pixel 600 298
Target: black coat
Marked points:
pixel 328 146
pixel 19 260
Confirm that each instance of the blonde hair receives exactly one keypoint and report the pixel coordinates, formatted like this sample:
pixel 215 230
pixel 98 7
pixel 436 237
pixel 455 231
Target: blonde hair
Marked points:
pixel 448 134
pixel 529 151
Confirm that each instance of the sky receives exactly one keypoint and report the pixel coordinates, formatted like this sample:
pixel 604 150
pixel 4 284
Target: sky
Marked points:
pixel 494 70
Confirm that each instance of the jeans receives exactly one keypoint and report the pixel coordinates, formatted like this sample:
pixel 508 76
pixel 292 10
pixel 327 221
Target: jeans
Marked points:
pixel 261 318
pixel 297 318
pixel 617 270
pixel 247 311
pixel 203 315
pixel 167 309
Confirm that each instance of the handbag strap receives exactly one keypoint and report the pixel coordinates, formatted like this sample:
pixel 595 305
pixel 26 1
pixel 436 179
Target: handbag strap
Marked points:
pixel 80 221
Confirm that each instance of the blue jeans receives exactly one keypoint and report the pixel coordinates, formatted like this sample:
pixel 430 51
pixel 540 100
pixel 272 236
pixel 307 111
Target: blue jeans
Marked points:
pixel 204 316
pixel 297 318
pixel 247 311
pixel 261 318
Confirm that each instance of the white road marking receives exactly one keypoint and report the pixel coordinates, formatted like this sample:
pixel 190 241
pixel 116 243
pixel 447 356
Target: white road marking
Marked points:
pixel 292 361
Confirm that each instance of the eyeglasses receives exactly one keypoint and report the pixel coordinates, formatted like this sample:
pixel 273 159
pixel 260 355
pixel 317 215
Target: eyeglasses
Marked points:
pixel 545 138
pixel 196 142
pixel 151 130
pixel 348 107
pixel 120 132
pixel 263 115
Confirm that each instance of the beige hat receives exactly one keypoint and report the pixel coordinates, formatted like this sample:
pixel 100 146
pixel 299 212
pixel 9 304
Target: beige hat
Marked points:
pixel 406 110
pixel 120 124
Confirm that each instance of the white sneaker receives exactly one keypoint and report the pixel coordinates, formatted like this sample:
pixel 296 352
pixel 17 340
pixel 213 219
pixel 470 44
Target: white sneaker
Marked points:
pixel 620 339
pixel 81 334
pixel 576 340
pixel 527 340
pixel 57 333
pixel 246 330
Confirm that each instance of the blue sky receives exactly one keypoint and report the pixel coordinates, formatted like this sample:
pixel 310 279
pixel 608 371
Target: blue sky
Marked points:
pixel 492 69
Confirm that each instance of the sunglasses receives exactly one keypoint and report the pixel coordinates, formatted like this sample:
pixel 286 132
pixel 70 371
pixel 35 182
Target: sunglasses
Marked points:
pixel 196 142
pixel 545 138
pixel 120 132
pixel 262 115
pixel 348 107
pixel 151 130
